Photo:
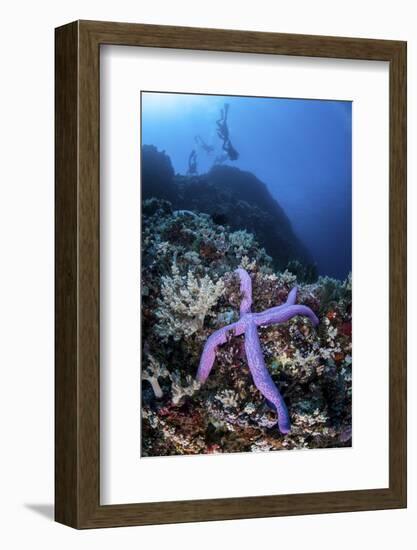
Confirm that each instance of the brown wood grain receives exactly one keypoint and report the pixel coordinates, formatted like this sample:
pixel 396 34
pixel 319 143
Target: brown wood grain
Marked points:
pixel 77 403
pixel 66 237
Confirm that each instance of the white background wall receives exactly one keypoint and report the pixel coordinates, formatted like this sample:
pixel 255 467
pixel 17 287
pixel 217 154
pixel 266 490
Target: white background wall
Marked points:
pixel 26 272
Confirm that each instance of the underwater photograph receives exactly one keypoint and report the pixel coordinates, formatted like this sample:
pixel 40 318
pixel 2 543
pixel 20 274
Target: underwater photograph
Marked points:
pixel 246 274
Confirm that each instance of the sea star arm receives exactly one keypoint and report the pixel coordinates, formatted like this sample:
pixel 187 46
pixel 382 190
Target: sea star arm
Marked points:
pixel 246 291
pixel 292 297
pixel 262 318
pixel 209 352
pixel 262 378
pixel 280 314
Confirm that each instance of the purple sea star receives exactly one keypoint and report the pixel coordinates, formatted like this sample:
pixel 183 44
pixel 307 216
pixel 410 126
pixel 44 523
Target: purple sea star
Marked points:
pixel 247 325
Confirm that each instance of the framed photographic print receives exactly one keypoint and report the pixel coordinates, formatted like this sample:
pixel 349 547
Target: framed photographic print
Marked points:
pixel 230 274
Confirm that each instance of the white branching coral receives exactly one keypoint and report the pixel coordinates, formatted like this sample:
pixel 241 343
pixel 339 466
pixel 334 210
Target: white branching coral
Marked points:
pixel 287 278
pixel 186 301
pixel 331 333
pixel 152 373
pixel 246 263
pixel 228 398
pixel 180 390
pixel 162 248
pixel 308 362
pixel 348 282
pixel 261 447
pixel 314 419
pixel 241 242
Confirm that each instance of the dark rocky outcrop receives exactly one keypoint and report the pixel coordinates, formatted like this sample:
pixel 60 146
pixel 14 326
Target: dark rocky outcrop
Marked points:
pixel 232 197
pixel 157 174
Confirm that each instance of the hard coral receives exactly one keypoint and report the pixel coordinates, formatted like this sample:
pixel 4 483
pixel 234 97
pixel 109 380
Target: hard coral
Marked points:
pixel 185 303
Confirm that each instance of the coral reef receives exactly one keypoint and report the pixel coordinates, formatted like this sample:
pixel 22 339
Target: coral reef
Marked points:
pixel 247 325
pixel 237 199
pixel 157 174
pixel 189 291
pixel 185 303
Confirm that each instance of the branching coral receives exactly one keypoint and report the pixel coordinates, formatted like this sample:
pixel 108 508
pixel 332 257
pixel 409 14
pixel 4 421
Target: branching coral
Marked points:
pixel 241 241
pixel 228 398
pixel 152 373
pixel 180 390
pixel 185 303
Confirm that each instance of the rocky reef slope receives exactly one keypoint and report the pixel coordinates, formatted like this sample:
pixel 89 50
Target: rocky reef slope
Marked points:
pixel 234 198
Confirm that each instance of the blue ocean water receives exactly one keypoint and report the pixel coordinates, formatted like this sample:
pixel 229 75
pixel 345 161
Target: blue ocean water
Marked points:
pixel 301 149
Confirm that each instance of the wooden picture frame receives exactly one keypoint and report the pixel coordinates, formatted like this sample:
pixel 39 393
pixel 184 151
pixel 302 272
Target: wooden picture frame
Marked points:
pixel 77 383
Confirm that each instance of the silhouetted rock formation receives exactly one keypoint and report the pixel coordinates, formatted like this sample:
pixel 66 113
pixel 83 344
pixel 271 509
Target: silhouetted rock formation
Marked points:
pixel 157 174
pixel 232 197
